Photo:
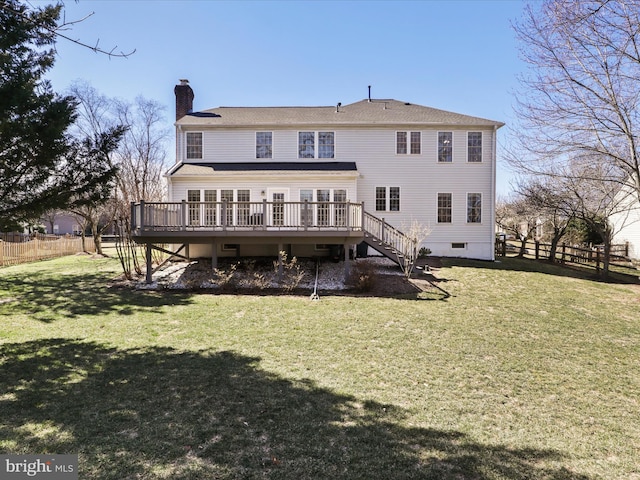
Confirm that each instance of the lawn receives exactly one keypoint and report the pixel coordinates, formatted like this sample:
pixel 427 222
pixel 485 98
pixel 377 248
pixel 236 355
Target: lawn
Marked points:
pixel 523 371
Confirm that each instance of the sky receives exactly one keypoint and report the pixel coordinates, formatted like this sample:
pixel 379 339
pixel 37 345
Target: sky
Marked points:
pixel 456 55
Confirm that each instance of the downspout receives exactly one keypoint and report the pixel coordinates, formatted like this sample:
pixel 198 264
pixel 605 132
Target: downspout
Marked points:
pixel 494 167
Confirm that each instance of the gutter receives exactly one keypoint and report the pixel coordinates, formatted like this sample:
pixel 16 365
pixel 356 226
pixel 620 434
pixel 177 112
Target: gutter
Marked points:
pixel 494 168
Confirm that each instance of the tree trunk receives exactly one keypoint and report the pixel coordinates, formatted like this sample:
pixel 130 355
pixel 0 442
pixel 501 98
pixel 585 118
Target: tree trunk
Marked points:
pixel 523 246
pixel 97 239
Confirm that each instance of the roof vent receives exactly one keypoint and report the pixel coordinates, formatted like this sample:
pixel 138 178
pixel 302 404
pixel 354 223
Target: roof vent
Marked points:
pixel 369 92
pixel 338 107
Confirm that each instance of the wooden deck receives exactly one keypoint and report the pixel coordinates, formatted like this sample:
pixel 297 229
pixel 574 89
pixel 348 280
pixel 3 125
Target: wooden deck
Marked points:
pixel 247 222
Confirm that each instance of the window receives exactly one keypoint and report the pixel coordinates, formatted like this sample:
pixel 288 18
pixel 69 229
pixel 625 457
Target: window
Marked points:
pixel 264 143
pixel 458 245
pixel 244 197
pixel 394 199
pixel 306 210
pixel 306 145
pixel 340 207
pixel 323 208
pixel 415 143
pixel 444 208
pixel 210 213
pixel 194 145
pixel 474 147
pixel 278 208
pixel 194 208
pixel 474 207
pixel 227 196
pixel 326 144
pixel 445 147
pixel 390 193
pixel 381 199
pixel 401 143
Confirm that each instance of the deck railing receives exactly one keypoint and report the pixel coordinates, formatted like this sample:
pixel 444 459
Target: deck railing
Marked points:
pixel 245 216
pixel 390 237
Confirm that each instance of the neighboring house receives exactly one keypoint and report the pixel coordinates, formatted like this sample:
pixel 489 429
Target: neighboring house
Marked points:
pixel 61 223
pixel 626 223
pixel 257 180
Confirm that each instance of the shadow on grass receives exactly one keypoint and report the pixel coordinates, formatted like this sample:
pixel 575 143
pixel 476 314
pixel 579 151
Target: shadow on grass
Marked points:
pixel 538 266
pixel 158 413
pixel 46 297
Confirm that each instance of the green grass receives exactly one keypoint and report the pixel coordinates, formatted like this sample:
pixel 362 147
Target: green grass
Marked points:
pixel 525 371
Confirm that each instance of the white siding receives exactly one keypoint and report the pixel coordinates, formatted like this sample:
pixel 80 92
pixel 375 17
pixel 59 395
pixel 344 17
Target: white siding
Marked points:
pixel 627 227
pixel 420 177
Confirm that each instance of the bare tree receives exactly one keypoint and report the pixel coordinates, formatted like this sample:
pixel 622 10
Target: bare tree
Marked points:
pixel 546 196
pixel 518 216
pixel 416 233
pixel 142 154
pixel 595 198
pixel 581 94
pixel 140 159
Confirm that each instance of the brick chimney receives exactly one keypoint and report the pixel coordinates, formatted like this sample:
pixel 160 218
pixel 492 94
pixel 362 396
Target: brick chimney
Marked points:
pixel 184 98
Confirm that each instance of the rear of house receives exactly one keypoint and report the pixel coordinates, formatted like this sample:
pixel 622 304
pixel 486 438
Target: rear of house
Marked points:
pixel 323 176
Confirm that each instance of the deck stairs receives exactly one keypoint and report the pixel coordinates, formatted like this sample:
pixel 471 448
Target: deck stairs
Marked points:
pixel 390 242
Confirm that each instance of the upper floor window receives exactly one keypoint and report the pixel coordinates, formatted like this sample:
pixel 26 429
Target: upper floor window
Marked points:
pixel 408 142
pixel 307 144
pixel 194 145
pixel 401 143
pixel 445 147
pixel 326 145
pixel 264 143
pixel 474 207
pixel 474 147
pixel 444 208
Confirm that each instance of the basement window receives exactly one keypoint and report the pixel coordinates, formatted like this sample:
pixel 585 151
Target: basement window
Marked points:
pixel 459 245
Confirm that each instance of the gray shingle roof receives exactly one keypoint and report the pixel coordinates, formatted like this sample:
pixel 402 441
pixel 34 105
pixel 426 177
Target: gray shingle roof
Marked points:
pixel 362 113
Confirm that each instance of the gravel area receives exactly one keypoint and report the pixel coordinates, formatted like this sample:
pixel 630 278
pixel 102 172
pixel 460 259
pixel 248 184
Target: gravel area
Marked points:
pixel 373 276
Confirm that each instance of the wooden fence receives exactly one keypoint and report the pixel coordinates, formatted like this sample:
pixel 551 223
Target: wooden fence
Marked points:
pixel 41 247
pixel 592 257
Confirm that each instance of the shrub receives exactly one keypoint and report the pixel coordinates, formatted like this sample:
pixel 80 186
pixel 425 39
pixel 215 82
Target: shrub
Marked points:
pixel 363 276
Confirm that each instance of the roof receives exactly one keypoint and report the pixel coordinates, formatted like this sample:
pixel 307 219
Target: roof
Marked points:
pixel 200 168
pixel 362 113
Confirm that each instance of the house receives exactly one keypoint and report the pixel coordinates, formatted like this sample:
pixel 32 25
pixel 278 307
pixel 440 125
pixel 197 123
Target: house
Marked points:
pixel 61 223
pixel 259 180
pixel 626 221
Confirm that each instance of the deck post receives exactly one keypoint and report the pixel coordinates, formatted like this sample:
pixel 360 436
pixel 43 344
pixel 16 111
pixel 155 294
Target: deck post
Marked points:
pixel 306 214
pixel 347 207
pixel 347 262
pixel 224 214
pixel 133 217
pixel 264 213
pixel 362 217
pixel 149 277
pixel 280 262
pixel 141 215
pixel 214 255
pixel 183 215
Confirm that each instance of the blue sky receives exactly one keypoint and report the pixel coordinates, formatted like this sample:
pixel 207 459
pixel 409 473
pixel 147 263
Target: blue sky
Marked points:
pixel 457 55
